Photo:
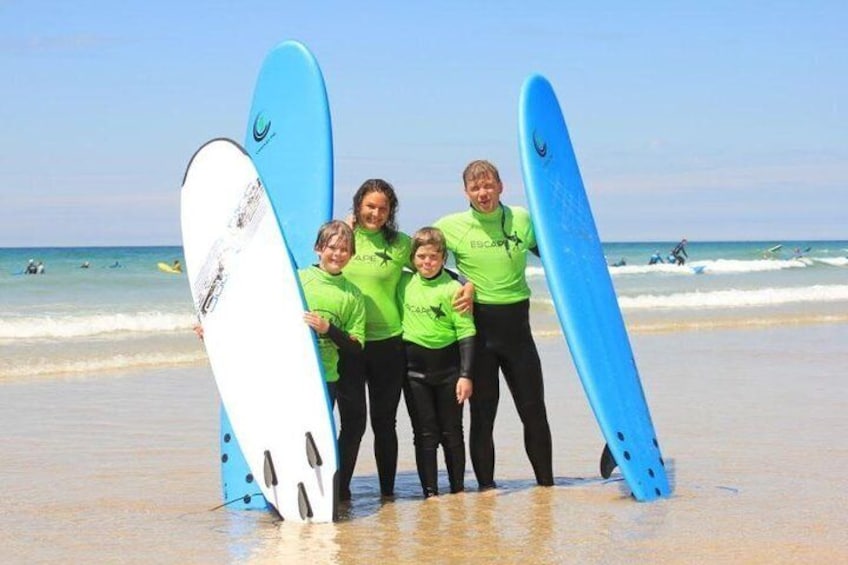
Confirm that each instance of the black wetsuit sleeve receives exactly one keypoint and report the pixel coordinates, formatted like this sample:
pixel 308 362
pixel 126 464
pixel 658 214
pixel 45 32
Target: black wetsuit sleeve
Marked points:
pixel 466 355
pixel 343 341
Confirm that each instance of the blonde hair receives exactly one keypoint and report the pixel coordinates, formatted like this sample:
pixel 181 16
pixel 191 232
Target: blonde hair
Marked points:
pixel 332 229
pixel 428 236
pixel 480 168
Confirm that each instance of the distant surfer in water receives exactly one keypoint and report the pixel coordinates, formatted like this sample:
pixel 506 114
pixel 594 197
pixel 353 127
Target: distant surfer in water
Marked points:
pixel 177 266
pixel 85 265
pixel 31 267
pixel 655 258
pixel 620 263
pixel 679 252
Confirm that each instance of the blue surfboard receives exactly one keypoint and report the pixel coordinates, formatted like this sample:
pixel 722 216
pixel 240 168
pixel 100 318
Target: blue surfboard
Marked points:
pixel 289 139
pixel 583 292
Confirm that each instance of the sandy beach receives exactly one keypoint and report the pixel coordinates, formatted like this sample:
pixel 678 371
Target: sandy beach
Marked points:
pixel 123 468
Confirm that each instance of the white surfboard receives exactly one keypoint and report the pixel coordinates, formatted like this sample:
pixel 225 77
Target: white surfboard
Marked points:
pixel 262 354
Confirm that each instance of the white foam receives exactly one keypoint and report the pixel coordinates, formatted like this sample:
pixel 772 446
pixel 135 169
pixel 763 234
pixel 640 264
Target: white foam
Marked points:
pixel 100 364
pixel 736 298
pixel 833 261
pixel 718 266
pixel 48 326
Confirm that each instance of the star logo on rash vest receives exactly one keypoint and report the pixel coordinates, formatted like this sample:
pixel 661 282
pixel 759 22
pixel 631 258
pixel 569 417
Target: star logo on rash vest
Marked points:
pixel 437 311
pixel 384 255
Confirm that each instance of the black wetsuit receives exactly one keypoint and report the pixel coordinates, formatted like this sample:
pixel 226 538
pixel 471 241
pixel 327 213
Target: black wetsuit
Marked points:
pixel 383 365
pixel 430 394
pixel 504 341
pixel 491 250
pixel 679 252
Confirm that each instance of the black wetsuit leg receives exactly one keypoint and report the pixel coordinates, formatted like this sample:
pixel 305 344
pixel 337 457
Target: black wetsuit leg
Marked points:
pixel 505 341
pixel 484 406
pixel 421 404
pixel 452 440
pixel 353 416
pixel 385 368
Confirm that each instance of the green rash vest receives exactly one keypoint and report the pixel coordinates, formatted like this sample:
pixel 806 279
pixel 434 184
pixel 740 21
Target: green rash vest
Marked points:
pixel 429 319
pixel 338 301
pixel 491 251
pixel 375 269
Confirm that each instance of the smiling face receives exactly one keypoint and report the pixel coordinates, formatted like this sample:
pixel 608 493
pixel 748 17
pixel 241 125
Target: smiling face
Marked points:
pixel 373 212
pixel 428 260
pixel 484 192
pixel 334 255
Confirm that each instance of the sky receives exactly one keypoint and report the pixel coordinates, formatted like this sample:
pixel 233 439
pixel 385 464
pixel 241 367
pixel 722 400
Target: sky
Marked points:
pixel 718 120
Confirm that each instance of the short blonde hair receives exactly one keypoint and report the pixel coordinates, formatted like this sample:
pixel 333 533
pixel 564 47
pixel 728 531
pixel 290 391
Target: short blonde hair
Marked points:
pixel 480 168
pixel 332 229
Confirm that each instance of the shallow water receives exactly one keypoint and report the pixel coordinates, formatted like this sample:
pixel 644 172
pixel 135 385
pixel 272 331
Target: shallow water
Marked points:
pixel 123 468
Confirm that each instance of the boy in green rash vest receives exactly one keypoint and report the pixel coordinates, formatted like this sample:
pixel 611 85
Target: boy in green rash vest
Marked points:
pixel 439 348
pixel 336 310
pixel 490 242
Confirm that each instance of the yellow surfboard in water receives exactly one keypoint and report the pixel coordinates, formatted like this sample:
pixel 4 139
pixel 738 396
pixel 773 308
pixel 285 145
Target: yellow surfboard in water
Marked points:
pixel 166 268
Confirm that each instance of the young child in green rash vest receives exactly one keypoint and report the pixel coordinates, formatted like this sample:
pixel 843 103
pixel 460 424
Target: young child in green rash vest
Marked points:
pixel 439 346
pixel 336 307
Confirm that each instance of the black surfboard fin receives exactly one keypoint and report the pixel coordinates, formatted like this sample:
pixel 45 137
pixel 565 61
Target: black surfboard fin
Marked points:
pixel 607 462
pixel 312 453
pixel 303 502
pixel 269 471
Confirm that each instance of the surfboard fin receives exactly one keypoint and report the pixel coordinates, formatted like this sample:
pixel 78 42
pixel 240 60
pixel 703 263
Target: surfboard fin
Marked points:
pixel 607 462
pixel 312 453
pixel 269 471
pixel 303 502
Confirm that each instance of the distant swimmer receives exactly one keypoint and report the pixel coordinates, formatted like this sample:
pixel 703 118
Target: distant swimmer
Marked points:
pixel 620 263
pixel 85 265
pixel 655 258
pixel 177 266
pixel 679 252
pixel 39 269
pixel 115 265
pixel 31 267
pixel 798 252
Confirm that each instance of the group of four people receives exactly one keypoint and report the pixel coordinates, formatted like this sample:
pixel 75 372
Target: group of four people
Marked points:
pixel 390 318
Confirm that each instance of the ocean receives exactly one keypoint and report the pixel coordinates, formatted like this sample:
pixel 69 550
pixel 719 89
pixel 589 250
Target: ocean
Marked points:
pixel 110 420
pixel 123 312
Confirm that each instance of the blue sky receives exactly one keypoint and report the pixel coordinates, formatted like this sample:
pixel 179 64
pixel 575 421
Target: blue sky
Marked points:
pixel 711 120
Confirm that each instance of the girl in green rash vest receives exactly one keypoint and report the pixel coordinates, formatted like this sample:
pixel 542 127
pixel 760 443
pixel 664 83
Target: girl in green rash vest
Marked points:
pixel 490 242
pixel 382 254
pixel 336 309
pixel 439 348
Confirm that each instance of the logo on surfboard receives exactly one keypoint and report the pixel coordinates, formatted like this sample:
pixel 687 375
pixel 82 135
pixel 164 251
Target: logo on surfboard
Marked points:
pixel 539 144
pixel 261 127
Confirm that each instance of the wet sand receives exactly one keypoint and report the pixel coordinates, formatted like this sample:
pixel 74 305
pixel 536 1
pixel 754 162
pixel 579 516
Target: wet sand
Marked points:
pixel 124 468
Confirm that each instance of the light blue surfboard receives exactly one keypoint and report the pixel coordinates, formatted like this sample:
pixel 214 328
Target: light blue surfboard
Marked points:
pixel 289 138
pixel 583 293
